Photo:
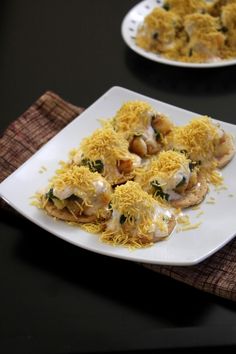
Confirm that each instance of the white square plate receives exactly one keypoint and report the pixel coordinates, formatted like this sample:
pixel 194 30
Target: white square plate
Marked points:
pixel 182 248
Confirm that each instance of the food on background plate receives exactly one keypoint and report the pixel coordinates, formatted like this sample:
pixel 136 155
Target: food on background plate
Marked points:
pixel 173 177
pixel 206 41
pixel 142 126
pixel 137 218
pixel 215 7
pixel 190 31
pixel 159 31
pixel 76 194
pixel 107 152
pixel 185 7
pixel 228 19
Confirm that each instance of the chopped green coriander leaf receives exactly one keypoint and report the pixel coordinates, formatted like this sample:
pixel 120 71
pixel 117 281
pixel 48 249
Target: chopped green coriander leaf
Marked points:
pixel 94 166
pixel 182 182
pixel 158 190
pixel 49 194
pixel 166 6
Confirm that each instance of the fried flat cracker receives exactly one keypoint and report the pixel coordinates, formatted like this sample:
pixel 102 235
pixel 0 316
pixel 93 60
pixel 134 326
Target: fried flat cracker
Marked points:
pixel 194 196
pixel 64 214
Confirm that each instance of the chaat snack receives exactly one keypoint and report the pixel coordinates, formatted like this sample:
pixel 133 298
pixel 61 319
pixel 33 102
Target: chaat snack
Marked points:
pixel 204 142
pixel 137 219
pixel 142 126
pixel 106 151
pixel 173 177
pixel 159 30
pixel 206 41
pixel 76 194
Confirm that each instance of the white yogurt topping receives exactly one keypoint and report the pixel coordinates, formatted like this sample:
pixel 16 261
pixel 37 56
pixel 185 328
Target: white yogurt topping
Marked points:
pixel 168 185
pixel 114 222
pixel 63 193
pixel 100 187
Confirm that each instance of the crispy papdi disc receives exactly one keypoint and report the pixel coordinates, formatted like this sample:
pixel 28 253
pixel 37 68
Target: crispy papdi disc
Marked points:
pixel 194 196
pixel 64 214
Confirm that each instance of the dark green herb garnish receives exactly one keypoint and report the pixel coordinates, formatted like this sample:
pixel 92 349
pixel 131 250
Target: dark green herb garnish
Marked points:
pixel 138 134
pixel 155 35
pixel 85 162
pixel 94 166
pixel 185 152
pixel 74 197
pixel 166 6
pixel 157 134
pixel 182 151
pixel 122 219
pixel 49 194
pixel 158 190
pixel 224 29
pixel 181 183
pixel 110 206
pixel 165 218
pixel 190 53
pixel 98 166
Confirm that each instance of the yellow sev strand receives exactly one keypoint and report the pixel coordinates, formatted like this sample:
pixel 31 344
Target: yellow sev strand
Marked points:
pixel 93 228
pixel 132 199
pixel 191 227
pixel 132 115
pixel 183 219
pixel 214 177
pixel 185 224
pixel 123 239
pixel 38 200
pixel 199 214
pixel 105 144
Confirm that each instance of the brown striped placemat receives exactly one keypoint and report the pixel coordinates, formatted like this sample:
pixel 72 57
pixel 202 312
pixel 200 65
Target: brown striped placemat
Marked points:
pixel 46 117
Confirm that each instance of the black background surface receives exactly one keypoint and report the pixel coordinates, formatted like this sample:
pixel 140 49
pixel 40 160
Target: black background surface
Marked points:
pixel 58 298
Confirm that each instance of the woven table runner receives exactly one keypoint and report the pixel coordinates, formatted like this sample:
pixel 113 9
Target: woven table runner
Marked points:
pixel 46 117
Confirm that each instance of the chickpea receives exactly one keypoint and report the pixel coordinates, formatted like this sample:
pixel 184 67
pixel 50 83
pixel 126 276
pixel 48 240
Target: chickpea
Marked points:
pixel 138 146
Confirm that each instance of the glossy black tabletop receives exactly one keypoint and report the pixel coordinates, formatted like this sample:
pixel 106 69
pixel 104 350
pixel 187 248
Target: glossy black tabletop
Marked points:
pixel 58 298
